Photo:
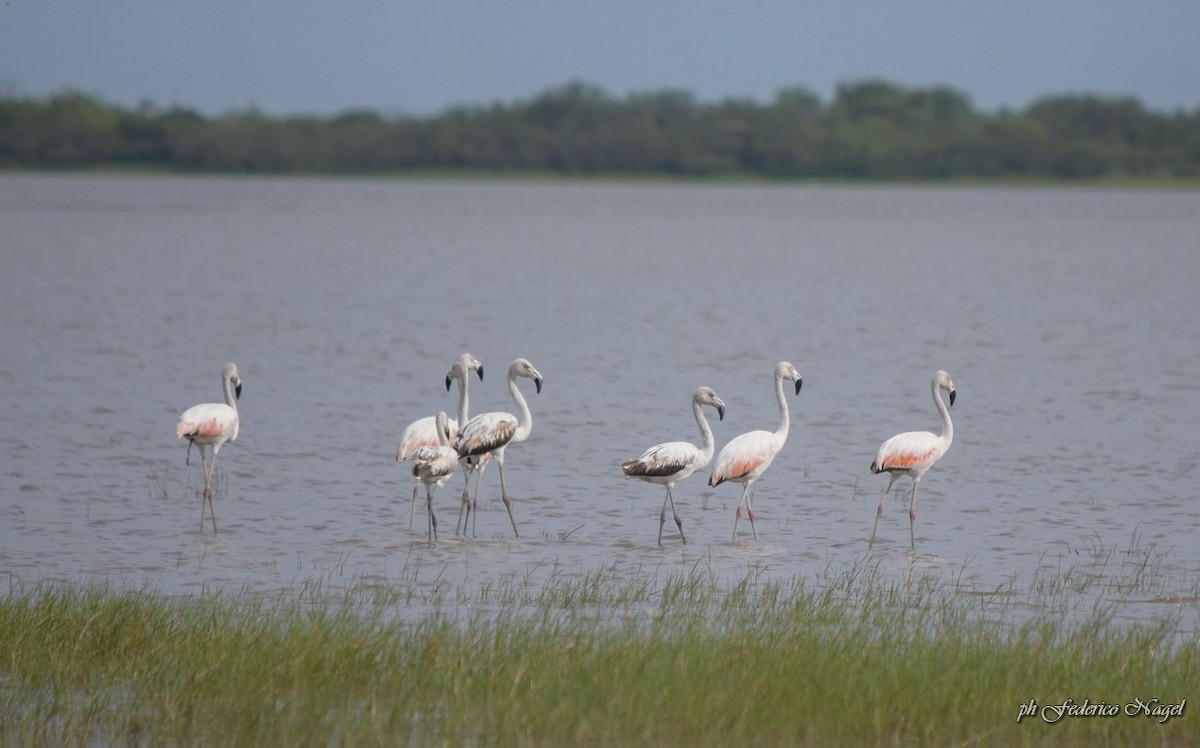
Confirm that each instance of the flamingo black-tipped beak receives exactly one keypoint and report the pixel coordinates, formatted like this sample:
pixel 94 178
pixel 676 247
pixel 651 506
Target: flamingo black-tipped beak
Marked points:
pixel 448 380
pixel 720 412
pixel 537 383
pixel 479 371
pixel 237 390
pixel 798 383
pixel 952 394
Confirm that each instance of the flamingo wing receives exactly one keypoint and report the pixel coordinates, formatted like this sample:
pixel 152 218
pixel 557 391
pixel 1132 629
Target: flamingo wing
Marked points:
pixel 485 433
pixel 746 456
pixel 417 435
pixel 422 433
pixel 912 450
pixel 432 463
pixel 208 422
pixel 665 460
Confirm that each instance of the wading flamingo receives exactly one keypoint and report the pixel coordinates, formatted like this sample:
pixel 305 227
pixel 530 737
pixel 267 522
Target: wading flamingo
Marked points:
pixel 423 432
pixel 211 425
pixel 913 453
pixel 433 466
pixel 667 464
pixel 491 433
pixel 745 458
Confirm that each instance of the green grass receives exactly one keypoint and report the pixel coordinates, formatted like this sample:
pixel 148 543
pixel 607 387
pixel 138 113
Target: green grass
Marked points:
pixel 603 657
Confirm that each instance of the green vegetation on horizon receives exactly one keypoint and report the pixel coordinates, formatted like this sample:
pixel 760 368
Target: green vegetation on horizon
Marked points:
pixel 587 659
pixel 870 130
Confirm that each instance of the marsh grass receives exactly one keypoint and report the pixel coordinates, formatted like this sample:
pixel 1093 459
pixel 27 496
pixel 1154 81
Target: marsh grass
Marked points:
pixel 609 656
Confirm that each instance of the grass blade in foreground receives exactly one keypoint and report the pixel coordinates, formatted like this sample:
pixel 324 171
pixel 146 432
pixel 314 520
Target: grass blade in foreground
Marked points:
pixel 593 659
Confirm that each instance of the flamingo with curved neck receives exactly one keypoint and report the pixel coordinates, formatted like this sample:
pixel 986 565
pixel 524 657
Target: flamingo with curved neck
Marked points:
pixel 211 425
pixel 667 464
pixel 912 453
pixel 745 458
pixel 423 432
pixel 490 434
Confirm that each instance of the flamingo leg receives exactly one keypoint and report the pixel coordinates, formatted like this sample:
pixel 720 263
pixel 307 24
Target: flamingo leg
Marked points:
pixel 469 505
pixel 413 509
pixel 432 518
pixel 204 471
pixel 504 497
pixel 750 508
pixel 663 514
pixel 678 521
pixel 466 500
pixel 879 510
pixel 474 512
pixel 912 517
pixel 475 501
pixel 738 515
pixel 208 493
pixel 479 477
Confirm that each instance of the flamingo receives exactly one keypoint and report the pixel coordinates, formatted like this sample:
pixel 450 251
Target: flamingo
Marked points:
pixel 667 464
pixel 914 452
pixel 433 467
pixel 423 432
pixel 492 433
pixel 211 425
pixel 745 458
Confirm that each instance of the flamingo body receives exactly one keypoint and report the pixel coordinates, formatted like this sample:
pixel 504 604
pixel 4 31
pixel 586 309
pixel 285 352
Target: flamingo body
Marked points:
pixel 913 453
pixel 668 463
pixel 209 426
pixel 419 434
pixel 746 457
pixel 434 465
pixel 488 435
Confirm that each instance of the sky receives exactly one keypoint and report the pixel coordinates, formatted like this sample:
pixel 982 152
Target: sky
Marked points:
pixel 287 57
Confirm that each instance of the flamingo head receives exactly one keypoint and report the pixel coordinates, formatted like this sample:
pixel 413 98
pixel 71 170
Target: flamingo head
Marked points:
pixel 784 370
pixel 706 396
pixel 464 364
pixel 523 368
pixel 942 381
pixel 234 377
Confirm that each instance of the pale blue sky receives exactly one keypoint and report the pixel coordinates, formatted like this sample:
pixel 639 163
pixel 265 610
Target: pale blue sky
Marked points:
pixel 300 56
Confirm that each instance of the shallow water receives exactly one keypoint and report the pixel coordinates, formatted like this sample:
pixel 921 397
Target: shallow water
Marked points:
pixel 1066 316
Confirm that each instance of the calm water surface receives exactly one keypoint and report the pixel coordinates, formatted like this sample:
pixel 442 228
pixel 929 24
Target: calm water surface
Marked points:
pixel 1068 319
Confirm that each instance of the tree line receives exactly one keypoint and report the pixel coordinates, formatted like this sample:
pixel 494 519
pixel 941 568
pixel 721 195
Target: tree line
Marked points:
pixel 868 130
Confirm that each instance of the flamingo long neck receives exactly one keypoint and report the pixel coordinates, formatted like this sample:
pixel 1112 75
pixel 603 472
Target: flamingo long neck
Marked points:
pixel 463 398
pixel 707 444
pixel 784 420
pixel 524 417
pixel 230 397
pixel 944 412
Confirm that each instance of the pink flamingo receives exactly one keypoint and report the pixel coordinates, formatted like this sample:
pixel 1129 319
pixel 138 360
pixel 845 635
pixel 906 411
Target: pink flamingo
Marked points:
pixel 433 467
pixel 211 425
pixel 745 458
pixel 667 464
pixel 492 433
pixel 423 432
pixel 914 452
